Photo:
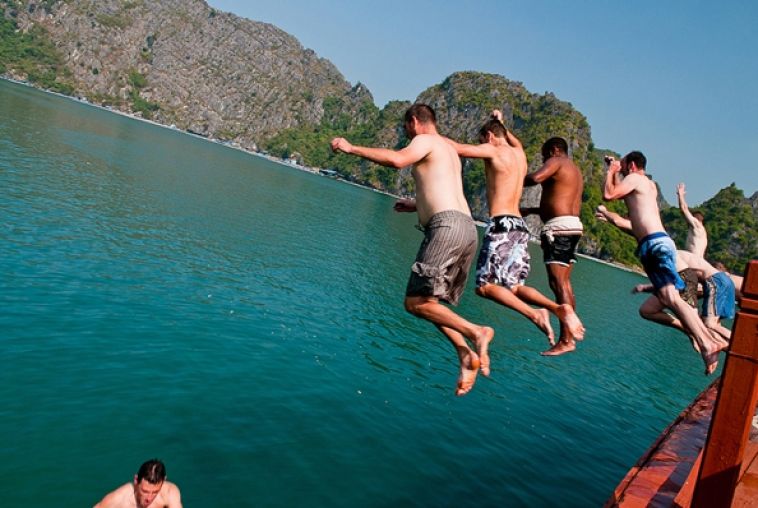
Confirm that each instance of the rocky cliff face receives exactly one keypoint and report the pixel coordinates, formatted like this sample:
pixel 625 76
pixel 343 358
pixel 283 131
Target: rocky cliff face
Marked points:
pixel 180 62
pixel 463 102
pixel 186 64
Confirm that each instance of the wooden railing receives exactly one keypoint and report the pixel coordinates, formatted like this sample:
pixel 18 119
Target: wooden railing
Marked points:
pixel 724 450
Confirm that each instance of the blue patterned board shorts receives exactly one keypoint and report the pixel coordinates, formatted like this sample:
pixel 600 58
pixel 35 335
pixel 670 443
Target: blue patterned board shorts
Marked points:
pixel 658 255
pixel 504 256
pixel 718 296
pixel 444 258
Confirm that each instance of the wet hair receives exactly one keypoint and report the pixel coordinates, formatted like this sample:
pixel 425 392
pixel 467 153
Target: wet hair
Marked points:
pixel 550 144
pixel 636 156
pixel 699 216
pixel 494 126
pixel 153 471
pixel 422 112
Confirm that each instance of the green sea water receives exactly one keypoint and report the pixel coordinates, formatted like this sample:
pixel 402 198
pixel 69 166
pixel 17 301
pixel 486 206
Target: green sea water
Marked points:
pixel 162 296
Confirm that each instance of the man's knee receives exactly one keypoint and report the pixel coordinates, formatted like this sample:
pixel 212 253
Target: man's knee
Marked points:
pixel 482 290
pixel 411 305
pixel 417 305
pixel 668 295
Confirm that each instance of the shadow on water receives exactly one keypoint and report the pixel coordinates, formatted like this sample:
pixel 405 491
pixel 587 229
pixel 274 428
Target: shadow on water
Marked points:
pixel 164 296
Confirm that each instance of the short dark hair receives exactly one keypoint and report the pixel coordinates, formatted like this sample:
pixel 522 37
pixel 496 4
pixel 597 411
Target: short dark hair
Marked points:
pixel 422 112
pixel 494 126
pixel 699 216
pixel 153 471
pixel 636 156
pixel 547 147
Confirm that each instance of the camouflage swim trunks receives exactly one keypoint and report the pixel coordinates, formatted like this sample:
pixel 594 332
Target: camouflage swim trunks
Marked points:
pixel 504 256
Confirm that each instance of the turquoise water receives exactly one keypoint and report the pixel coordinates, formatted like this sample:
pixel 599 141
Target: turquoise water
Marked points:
pixel 162 296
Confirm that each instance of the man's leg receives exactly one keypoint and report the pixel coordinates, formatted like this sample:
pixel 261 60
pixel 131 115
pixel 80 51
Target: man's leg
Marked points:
pixel 714 324
pixel 563 311
pixel 457 330
pixel 508 298
pixel 559 278
pixel 652 310
pixel 709 345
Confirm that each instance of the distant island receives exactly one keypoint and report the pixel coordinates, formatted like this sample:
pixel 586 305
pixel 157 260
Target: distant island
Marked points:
pixel 253 86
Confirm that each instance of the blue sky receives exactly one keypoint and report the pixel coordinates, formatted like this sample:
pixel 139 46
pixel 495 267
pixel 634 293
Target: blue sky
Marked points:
pixel 675 79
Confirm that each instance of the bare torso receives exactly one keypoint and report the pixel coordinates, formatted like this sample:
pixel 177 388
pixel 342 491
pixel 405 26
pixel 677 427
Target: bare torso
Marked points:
pixel 704 268
pixel 643 207
pixel 562 192
pixel 124 497
pixel 697 239
pixel 505 180
pixel 439 180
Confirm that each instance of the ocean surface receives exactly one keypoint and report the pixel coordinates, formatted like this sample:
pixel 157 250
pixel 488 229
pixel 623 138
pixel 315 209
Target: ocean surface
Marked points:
pixel 164 296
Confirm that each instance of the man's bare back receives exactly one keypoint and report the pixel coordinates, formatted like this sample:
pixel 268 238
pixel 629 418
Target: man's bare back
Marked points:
pixel 438 176
pixel 505 166
pixel 505 179
pixel 642 203
pixel 562 191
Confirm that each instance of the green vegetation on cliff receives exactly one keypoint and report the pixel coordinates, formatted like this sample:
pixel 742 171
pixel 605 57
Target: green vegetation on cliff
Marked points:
pixel 31 54
pixel 731 223
pixel 253 84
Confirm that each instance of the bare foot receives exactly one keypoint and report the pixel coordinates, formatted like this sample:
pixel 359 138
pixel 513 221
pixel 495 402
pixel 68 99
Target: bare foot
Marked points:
pixel 469 369
pixel 560 348
pixel 570 320
pixel 695 345
pixel 482 342
pixel 542 320
pixel 711 358
pixel 711 363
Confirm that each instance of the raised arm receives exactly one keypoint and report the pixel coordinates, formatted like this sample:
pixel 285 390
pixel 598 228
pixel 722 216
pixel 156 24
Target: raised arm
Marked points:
pixel 615 187
pixel 411 154
pixel 546 171
pixel 691 220
pixel 509 136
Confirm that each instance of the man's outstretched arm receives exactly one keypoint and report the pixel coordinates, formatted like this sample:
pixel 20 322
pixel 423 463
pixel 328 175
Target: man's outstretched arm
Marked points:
pixel 605 215
pixel 483 151
pixel 411 154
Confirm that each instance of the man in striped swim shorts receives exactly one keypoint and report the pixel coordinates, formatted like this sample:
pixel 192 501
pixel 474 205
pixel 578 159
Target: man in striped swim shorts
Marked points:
pixel 442 264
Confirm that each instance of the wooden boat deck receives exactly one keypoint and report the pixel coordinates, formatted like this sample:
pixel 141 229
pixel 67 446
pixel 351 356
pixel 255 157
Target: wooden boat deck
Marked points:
pixel 708 457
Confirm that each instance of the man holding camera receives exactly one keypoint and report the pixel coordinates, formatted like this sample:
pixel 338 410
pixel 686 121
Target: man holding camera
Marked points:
pixel 626 179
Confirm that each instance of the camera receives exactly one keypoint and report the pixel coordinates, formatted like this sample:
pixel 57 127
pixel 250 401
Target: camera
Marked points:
pixel 608 159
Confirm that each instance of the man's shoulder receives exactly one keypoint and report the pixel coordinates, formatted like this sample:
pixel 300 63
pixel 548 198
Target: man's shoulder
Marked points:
pixel 116 498
pixel 171 491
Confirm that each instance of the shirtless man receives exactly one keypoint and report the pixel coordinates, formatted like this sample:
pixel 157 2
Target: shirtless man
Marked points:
pixel 697 238
pixel 150 489
pixel 656 250
pixel 503 263
pixel 561 201
pixel 450 236
pixel 691 268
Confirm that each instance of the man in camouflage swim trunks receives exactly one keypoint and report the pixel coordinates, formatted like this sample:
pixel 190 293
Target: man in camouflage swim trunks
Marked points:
pixel 443 261
pixel 503 264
